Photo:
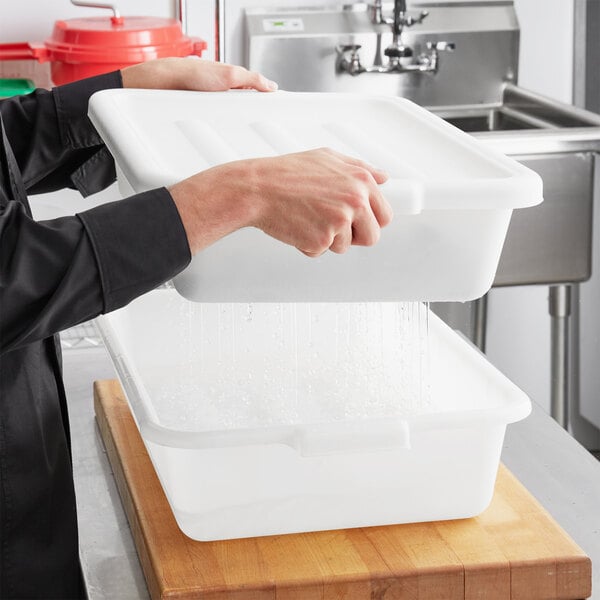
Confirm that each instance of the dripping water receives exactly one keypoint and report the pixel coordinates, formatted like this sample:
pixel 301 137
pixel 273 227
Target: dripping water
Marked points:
pixel 266 364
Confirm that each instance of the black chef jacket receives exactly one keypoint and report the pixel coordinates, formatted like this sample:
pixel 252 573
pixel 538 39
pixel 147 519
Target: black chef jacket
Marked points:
pixel 55 274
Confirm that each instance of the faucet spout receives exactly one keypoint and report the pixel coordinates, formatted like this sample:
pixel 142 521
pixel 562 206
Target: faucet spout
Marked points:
pixel 397 50
pixel 399 16
pixel 398 25
pixel 376 12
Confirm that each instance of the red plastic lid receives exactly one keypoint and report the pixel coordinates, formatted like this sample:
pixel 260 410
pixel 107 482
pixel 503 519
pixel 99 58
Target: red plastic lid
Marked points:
pixel 119 40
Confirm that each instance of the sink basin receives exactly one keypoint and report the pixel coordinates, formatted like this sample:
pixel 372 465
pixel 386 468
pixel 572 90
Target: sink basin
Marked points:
pixel 519 109
pixel 550 243
pixel 524 122
pixel 510 118
pixel 494 119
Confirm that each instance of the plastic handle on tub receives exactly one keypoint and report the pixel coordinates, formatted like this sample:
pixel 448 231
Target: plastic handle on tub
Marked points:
pixel 404 195
pixel 24 51
pixel 307 440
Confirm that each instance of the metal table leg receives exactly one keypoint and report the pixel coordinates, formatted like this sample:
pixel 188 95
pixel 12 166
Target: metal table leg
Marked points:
pixel 480 322
pixel 559 307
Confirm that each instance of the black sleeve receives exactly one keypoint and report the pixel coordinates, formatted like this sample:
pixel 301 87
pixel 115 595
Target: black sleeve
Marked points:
pixel 55 274
pixel 53 140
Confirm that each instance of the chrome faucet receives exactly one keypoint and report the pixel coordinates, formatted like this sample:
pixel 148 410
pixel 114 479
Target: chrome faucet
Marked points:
pixel 348 59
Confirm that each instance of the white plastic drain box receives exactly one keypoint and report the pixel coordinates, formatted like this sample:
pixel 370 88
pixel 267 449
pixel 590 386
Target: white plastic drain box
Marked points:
pixel 231 477
pixel 452 196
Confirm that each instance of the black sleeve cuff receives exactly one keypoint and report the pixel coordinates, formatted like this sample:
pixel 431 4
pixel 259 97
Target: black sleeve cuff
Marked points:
pixel 96 174
pixel 139 243
pixel 76 130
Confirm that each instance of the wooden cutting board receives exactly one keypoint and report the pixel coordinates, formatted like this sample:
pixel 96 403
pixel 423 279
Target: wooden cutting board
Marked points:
pixel 513 550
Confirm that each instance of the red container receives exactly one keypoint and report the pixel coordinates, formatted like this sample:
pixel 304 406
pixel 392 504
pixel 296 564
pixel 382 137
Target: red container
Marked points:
pixel 80 48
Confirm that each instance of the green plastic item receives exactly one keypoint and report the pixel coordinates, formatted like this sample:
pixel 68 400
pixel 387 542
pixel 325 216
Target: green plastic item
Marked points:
pixel 15 87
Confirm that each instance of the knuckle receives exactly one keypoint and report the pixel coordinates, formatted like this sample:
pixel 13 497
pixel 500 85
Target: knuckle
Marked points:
pixel 386 218
pixel 355 199
pixel 367 236
pixel 323 240
pixel 341 243
pixel 362 175
pixel 372 237
pixel 339 249
pixel 376 235
pixel 341 220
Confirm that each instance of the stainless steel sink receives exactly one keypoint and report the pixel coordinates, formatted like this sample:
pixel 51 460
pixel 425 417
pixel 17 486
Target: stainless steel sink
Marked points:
pixel 518 109
pixel 493 119
pixel 550 243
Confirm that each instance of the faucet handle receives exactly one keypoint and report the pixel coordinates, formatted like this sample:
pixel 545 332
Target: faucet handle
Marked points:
pixel 352 64
pixel 441 46
pixel 403 19
pixel 343 48
pixel 409 20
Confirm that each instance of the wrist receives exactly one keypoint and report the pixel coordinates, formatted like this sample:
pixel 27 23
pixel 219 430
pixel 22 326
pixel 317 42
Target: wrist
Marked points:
pixel 156 74
pixel 215 203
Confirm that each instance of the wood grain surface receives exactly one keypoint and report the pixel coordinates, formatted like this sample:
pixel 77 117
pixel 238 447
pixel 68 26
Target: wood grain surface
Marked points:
pixel 513 550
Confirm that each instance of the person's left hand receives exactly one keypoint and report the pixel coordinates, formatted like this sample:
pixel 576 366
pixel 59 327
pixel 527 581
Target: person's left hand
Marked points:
pixel 193 74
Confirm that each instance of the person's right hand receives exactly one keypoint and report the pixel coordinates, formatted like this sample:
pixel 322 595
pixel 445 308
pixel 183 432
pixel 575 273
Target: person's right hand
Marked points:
pixel 317 200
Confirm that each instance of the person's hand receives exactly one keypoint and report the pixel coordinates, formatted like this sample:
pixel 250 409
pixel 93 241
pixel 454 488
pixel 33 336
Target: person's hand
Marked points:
pixel 193 74
pixel 317 200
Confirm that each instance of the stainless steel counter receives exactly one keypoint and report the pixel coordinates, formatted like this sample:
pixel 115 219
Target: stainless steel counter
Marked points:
pixel 554 467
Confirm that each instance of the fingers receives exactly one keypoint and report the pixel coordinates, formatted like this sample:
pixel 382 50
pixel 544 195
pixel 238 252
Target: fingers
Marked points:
pixel 362 210
pixel 379 175
pixel 342 241
pixel 379 205
pixel 360 229
pixel 242 78
pixel 190 74
pixel 312 254
pixel 366 231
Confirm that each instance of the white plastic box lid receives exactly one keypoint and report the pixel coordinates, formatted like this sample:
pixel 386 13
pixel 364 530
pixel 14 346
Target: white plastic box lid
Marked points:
pixel 452 196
